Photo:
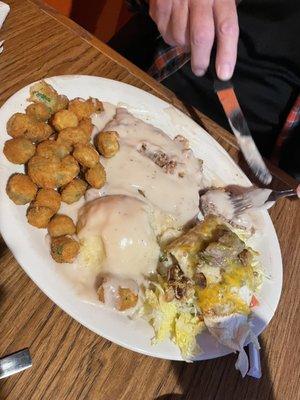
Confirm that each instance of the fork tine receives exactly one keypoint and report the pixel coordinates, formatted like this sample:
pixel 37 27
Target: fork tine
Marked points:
pixel 240 203
pixel 240 209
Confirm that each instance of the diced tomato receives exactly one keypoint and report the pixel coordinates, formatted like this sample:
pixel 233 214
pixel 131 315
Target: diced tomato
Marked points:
pixel 254 301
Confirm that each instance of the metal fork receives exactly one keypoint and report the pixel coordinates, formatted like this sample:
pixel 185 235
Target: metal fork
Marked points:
pixel 259 197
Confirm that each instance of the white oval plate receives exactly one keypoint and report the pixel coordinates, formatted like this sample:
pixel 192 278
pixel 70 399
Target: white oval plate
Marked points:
pixel 32 252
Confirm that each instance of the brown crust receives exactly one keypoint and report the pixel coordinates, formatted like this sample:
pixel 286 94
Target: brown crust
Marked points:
pixel 127 299
pixel 64 249
pixel 160 158
pixel 21 189
pixel 107 143
pixel 61 225
pixel 39 216
pixel 100 293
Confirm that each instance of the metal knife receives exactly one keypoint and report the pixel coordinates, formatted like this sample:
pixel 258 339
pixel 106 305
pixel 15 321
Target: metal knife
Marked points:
pixel 14 363
pixel 239 126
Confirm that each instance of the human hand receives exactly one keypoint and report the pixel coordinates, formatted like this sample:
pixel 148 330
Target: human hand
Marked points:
pixel 193 25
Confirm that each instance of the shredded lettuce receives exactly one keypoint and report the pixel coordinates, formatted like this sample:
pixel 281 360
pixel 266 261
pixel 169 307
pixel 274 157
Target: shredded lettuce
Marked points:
pixel 186 328
pixel 170 320
pixel 179 306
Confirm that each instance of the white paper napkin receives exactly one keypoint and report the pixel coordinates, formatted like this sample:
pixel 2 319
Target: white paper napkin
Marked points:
pixel 4 10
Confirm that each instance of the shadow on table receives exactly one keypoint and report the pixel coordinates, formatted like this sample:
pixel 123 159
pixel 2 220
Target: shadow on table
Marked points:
pixel 3 247
pixel 218 380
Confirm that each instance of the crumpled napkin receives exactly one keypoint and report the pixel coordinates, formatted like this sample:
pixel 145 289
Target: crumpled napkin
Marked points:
pixel 234 331
pixel 4 10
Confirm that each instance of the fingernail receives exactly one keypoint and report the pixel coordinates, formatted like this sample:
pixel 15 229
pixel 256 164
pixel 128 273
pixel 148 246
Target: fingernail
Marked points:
pixel 199 72
pixel 224 71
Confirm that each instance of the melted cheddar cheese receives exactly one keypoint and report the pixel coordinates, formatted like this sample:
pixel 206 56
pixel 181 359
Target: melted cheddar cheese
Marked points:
pixel 222 297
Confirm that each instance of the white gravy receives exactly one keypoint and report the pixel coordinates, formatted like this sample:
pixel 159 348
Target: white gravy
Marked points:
pixel 132 173
pixel 141 199
pixel 122 222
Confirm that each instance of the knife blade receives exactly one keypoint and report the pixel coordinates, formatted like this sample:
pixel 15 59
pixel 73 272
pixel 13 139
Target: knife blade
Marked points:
pixel 239 126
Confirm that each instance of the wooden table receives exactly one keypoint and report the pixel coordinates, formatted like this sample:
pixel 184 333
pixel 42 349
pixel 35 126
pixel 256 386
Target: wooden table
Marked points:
pixel 69 361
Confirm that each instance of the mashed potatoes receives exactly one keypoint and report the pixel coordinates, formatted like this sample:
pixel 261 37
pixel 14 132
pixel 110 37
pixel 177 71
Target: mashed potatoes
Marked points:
pixel 116 235
pixel 92 252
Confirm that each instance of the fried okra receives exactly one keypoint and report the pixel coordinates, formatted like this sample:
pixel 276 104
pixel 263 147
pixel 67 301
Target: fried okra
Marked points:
pixel 85 108
pixel 20 189
pixel 72 136
pixel 39 216
pixel 68 171
pixel 18 150
pixel 17 125
pixel 96 176
pixel 107 143
pixel 86 125
pixel 44 93
pixel 23 125
pixel 86 155
pixel 73 191
pixel 43 171
pixel 64 119
pixel 38 111
pixel 38 131
pixel 97 104
pixel 49 198
pixel 52 173
pixel 62 103
pixel 61 225
pixel 51 148
pixel 64 249
pixel 125 299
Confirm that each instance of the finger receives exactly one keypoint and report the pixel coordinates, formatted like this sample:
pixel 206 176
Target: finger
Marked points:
pixel 201 34
pixel 227 31
pixel 179 23
pixel 160 12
